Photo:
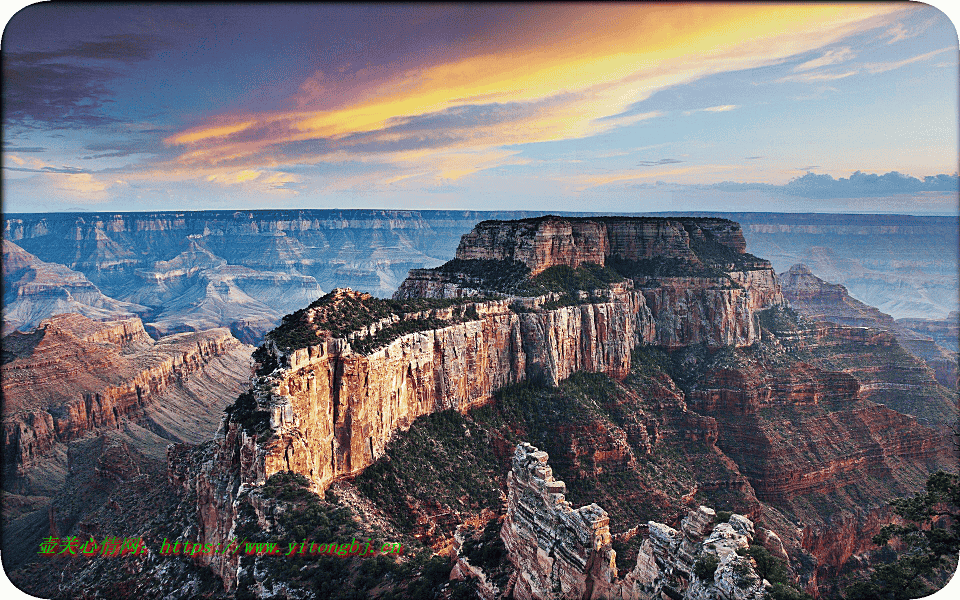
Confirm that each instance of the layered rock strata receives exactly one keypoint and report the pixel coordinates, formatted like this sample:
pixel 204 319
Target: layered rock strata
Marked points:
pixel 330 410
pixel 73 375
pixel 544 242
pixel 559 551
pixel 716 310
pixel 933 342
pixel 333 410
pixel 34 290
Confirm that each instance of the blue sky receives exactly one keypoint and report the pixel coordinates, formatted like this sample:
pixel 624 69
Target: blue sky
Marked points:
pixel 626 107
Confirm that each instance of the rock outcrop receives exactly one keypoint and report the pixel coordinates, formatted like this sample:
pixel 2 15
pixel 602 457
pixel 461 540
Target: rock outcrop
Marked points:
pixel 771 420
pixel 707 295
pixel 559 551
pixel 544 242
pixel 332 410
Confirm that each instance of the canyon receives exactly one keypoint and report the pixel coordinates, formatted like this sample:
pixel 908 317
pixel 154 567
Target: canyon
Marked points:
pixel 682 380
pixel 930 340
pixel 783 434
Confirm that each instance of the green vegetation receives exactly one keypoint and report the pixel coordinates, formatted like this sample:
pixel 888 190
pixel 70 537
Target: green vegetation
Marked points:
pixel 706 566
pixel 562 278
pixel 486 551
pixel 627 553
pixel 244 411
pixel 743 574
pixel 768 566
pixel 369 343
pixel 930 539
pixel 442 459
pixel 488 274
pixel 780 319
pixel 723 516
pixel 663 267
pixel 339 314
pixel 715 254
pixel 302 515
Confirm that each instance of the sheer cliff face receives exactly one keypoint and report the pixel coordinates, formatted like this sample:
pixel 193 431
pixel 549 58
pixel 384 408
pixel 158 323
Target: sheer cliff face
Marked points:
pixel 781 432
pixel 714 308
pixel 334 410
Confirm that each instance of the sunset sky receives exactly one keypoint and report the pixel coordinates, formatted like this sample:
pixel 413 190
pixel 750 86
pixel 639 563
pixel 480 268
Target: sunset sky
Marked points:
pixel 576 107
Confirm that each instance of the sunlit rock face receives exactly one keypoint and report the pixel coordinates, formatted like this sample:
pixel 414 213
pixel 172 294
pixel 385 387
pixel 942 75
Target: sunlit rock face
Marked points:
pixel 332 409
pixel 544 242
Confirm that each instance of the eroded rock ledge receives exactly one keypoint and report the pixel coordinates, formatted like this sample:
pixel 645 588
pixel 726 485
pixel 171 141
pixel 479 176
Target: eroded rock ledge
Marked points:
pixel 560 551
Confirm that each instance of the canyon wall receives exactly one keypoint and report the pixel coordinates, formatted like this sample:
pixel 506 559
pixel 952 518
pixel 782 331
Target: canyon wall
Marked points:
pixel 333 410
pixel 74 375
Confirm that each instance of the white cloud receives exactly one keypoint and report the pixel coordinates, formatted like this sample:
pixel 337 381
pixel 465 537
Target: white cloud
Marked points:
pixel 830 57
pixel 889 66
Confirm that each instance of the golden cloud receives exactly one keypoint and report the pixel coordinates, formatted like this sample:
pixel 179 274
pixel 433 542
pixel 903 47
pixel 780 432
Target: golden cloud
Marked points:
pixel 565 73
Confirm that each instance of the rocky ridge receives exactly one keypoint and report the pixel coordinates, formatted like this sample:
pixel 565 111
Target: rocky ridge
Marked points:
pixel 903 382
pixel 325 411
pixel 34 290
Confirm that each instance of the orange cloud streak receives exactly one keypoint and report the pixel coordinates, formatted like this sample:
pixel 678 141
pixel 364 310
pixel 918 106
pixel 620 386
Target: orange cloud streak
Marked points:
pixel 569 72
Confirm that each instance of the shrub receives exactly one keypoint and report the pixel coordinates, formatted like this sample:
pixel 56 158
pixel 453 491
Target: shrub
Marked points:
pixel 706 566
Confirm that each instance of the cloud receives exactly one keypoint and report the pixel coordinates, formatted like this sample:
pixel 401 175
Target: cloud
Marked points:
pixel 872 68
pixel 814 77
pixel 81 187
pixel 713 109
pixel 752 157
pixel 262 181
pixel 35 165
pixel 858 185
pixel 830 57
pixel 68 88
pixel 875 68
pixel 900 32
pixel 465 108
pixel 656 163
pixel 701 171
pixel 9 148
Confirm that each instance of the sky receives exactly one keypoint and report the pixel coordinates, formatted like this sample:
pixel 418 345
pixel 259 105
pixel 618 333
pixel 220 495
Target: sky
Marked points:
pixel 573 107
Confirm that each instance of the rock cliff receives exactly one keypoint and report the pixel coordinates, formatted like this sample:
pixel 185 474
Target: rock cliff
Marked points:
pixel 325 410
pixel 751 400
pixel 906 383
